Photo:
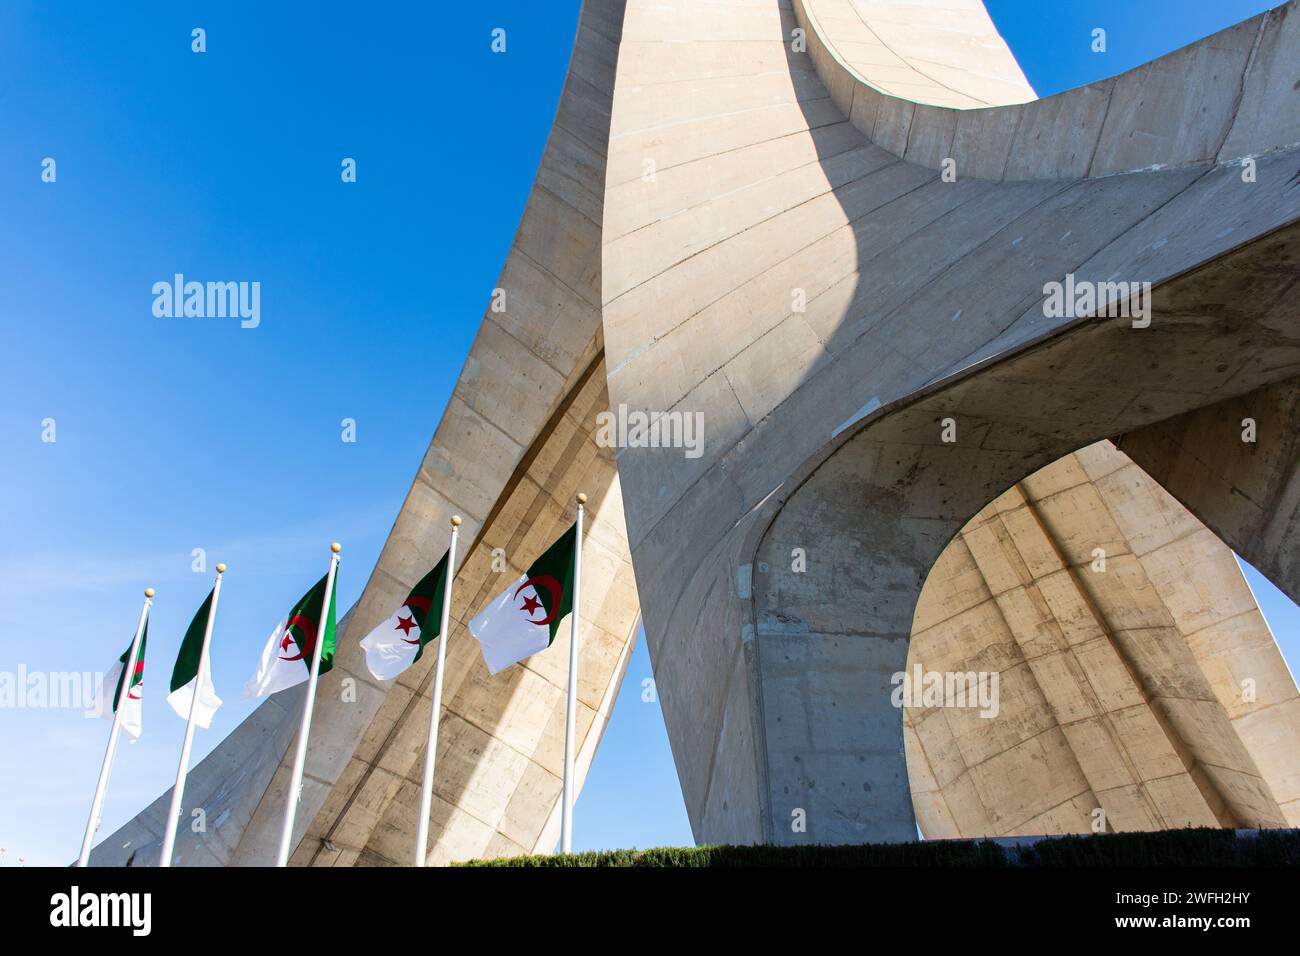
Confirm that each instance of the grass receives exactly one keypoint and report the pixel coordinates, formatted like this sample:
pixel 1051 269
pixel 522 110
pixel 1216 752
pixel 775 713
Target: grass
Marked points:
pixel 1190 847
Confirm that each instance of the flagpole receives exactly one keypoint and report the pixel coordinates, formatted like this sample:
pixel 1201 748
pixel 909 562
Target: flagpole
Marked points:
pixel 178 791
pixel 97 805
pixel 570 711
pixel 431 752
pixel 300 757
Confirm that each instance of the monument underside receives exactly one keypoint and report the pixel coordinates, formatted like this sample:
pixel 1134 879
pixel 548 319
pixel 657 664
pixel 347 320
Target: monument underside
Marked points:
pixel 836 255
pixel 1121 630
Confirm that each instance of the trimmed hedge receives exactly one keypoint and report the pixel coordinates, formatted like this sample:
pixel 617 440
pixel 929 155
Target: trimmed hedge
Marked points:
pixel 1190 847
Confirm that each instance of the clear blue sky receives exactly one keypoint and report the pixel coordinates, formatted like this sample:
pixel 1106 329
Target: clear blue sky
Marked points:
pixel 175 435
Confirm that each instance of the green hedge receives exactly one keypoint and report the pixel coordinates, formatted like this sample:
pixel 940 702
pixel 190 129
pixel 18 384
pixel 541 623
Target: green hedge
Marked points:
pixel 1191 847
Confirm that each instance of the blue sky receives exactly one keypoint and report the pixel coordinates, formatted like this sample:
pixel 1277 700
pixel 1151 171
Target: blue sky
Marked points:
pixel 181 434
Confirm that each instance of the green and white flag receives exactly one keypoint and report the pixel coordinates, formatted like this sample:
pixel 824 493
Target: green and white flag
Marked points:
pixel 286 659
pixel 185 675
pixel 110 695
pixel 399 642
pixel 524 618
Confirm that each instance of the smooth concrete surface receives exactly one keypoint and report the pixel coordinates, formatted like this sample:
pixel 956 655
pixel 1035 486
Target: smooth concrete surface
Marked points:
pixel 769 235
pixel 824 298
pixel 946 54
pixel 1218 100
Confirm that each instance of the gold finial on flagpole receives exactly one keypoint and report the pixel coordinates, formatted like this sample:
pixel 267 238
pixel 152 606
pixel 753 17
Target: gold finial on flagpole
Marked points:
pixel 455 521
pixel 336 547
pixel 221 569
pixel 582 498
pixel 148 592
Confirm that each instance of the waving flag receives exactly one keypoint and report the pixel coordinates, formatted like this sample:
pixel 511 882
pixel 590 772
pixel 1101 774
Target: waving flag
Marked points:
pixel 524 618
pixel 186 679
pixel 286 659
pixel 399 642
pixel 110 695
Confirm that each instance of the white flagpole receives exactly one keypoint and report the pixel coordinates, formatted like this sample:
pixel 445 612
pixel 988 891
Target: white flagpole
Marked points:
pixel 97 805
pixel 300 757
pixel 431 753
pixel 570 711
pixel 178 791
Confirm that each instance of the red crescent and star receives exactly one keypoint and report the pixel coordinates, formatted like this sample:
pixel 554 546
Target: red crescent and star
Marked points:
pixel 532 604
pixel 131 691
pixel 308 627
pixel 404 624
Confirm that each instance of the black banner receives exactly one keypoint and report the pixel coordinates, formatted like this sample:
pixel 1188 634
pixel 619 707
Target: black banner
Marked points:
pixel 370 906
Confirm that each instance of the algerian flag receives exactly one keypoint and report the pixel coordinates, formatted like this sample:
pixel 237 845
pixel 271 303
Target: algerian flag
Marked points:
pixel 186 677
pixel 524 618
pixel 399 642
pixel 286 659
pixel 110 692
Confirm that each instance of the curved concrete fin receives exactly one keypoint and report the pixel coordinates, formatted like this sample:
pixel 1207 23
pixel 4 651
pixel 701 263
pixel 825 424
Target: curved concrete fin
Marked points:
pixel 800 272
pixel 514 446
pixel 1220 99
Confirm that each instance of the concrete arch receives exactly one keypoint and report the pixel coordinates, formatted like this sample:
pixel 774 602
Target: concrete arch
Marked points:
pixel 789 279
pixel 876 513
pixel 1139 684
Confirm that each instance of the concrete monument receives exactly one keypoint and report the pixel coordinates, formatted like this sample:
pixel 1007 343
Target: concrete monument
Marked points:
pixel 946 341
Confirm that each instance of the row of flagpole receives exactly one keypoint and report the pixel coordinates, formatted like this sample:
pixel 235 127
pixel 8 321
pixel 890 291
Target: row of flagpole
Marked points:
pixel 293 795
